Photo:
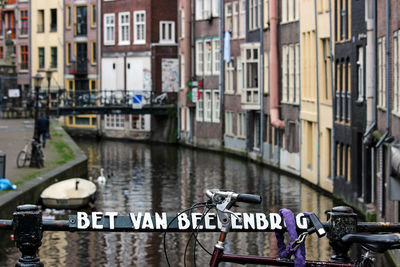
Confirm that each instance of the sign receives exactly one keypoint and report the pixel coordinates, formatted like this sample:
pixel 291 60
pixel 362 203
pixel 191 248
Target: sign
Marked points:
pixel 195 83
pixel 147 222
pixel 170 76
pixel 14 93
pixel 137 101
pixel 195 95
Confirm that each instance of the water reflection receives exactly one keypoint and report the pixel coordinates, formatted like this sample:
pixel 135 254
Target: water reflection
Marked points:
pixel 160 178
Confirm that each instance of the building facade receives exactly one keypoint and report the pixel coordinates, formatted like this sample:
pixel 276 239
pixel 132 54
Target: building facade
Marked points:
pixel 82 80
pixel 139 57
pixel 47 43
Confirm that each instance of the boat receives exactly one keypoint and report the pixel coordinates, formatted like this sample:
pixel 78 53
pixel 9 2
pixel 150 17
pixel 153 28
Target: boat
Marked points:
pixel 69 194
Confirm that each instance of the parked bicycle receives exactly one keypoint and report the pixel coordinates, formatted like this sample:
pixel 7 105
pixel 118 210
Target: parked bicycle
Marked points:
pixel 25 155
pixel 222 201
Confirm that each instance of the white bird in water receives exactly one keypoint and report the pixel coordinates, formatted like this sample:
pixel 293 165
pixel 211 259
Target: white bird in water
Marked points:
pixel 101 179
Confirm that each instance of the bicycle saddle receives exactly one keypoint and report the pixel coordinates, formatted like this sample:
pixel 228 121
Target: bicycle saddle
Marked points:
pixel 377 243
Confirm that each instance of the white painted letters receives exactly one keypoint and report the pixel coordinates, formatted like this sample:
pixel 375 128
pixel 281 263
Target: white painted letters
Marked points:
pixel 82 220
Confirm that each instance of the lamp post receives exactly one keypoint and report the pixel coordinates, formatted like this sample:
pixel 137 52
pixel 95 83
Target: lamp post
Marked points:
pixel 49 72
pixel 37 81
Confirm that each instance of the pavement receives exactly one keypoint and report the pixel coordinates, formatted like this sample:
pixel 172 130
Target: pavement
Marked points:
pixel 14 133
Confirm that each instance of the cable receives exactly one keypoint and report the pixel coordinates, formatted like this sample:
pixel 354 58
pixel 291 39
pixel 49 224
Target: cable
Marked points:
pixel 169 224
pixel 204 213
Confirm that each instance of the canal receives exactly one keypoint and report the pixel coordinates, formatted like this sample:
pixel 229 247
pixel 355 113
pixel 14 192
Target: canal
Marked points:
pixel 162 178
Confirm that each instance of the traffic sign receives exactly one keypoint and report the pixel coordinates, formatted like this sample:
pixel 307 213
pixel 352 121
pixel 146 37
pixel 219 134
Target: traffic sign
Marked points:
pixel 137 101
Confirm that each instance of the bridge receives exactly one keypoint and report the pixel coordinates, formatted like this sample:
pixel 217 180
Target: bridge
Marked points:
pixel 99 102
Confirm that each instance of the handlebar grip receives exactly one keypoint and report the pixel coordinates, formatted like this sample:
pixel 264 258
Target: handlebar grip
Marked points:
pixel 249 198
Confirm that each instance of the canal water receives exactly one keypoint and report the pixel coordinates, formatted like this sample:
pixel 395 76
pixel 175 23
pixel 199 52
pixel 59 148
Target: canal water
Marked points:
pixel 162 178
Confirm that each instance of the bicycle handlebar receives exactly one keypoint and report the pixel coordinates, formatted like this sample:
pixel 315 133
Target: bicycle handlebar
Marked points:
pixel 217 195
pixel 249 198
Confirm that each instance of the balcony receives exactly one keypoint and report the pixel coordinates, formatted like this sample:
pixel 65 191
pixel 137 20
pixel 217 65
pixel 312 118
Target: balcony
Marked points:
pixel 79 67
pixel 250 98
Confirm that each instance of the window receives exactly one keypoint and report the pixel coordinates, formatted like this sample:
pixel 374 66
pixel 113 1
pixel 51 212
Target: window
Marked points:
pixel 53 20
pixel 68 16
pixel 53 63
pixel 140 27
pixel 41 57
pixel 242 18
pixel 137 122
pixel 228 17
pixel 1 52
pixel 68 53
pixel 360 74
pixel 24 22
pixel 396 73
pixel 381 73
pixel 114 121
pixel 289 64
pixel 40 26
pixel 290 10
pixel 124 23
pixel 81 21
pixel 229 69
pixel 250 58
pixel 208 57
pixel 343 18
pixel 239 76
pixel 326 69
pixel 199 58
pixel 93 20
pixel 241 125
pixel 207 105
pixel 266 73
pixel 93 58
pixel 229 119
pixel 199 9
pixel 254 14
pixel 109 29
pixel 235 20
pixel 167 32
pixel 182 72
pixel 266 13
pixel 24 57
pixel 200 108
pixel 206 9
pixel 182 12
pixel 215 8
pixel 216 107
pixel 216 51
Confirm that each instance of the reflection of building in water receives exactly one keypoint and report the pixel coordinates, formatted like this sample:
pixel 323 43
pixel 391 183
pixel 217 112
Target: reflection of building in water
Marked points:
pixel 54 250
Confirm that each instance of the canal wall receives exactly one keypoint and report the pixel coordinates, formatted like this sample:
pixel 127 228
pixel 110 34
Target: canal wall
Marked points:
pixel 30 191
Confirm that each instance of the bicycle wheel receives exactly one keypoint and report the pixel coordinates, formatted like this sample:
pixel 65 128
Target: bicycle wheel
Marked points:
pixel 40 157
pixel 21 159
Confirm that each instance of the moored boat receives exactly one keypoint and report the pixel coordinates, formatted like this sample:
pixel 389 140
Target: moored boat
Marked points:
pixel 69 194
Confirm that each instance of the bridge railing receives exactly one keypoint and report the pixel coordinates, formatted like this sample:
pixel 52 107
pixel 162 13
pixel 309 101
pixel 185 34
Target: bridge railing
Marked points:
pixel 28 226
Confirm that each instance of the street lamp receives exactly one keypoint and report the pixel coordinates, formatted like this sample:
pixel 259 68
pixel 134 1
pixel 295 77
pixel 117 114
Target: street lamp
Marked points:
pixel 49 72
pixel 37 82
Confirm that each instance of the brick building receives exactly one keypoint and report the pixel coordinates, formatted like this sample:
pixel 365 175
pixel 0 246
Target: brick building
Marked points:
pixel 139 56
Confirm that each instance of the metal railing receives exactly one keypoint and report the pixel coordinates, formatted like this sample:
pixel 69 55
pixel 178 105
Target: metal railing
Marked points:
pixel 28 226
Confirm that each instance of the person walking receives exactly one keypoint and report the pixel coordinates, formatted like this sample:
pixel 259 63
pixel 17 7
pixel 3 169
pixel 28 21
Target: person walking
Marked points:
pixel 43 128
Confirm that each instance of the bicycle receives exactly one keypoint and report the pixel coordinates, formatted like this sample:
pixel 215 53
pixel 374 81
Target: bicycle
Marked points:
pixel 222 201
pixel 25 155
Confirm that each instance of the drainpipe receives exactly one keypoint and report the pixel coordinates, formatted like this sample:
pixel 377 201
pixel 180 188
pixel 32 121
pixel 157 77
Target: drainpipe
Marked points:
pixel 274 71
pixel 371 75
pixel 222 71
pixel 333 143
pixel 387 69
pixel 192 54
pixel 317 88
pixel 261 83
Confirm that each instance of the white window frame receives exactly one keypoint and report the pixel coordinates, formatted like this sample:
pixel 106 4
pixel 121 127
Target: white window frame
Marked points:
pixel 242 19
pixel 229 115
pixel 290 11
pixel 123 27
pixel 216 54
pixel 141 123
pixel 396 73
pixel 199 58
pixel 182 11
pixel 229 69
pixel 360 74
pixel 207 105
pixel 241 125
pixel 169 31
pixel 182 72
pixel 109 26
pixel 250 95
pixel 215 8
pixel 139 26
pixel 208 57
pixel 239 76
pixel 199 9
pixel 216 106
pixel 228 16
pixel 200 107
pixel 381 73
pixel 205 9
pixel 116 121
pixel 254 14
pixel 235 20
